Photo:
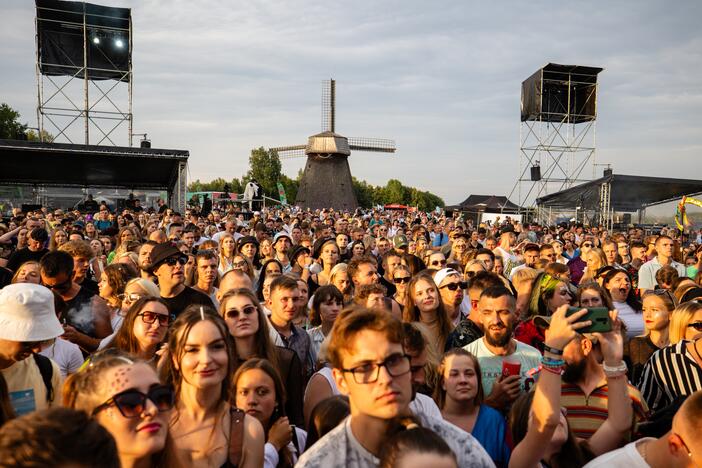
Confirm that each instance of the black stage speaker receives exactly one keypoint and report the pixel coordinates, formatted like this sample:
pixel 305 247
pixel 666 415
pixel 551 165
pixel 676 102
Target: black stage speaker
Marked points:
pixel 627 218
pixel 535 173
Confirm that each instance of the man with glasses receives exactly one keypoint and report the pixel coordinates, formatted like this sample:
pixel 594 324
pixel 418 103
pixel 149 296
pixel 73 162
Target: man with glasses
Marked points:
pixel 87 316
pixel 681 447
pixel 371 367
pixel 168 265
pixel 664 251
pixel 451 286
pixel 27 319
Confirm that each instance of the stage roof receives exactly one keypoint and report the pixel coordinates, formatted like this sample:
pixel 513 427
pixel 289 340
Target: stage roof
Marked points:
pixel 628 192
pixel 493 203
pixel 67 165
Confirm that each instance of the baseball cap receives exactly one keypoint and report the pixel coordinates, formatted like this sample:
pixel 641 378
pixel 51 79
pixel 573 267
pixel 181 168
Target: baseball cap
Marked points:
pixel 399 241
pixel 441 275
pixel 27 313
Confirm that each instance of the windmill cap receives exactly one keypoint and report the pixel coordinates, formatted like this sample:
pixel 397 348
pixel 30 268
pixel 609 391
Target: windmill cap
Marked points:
pixel 27 313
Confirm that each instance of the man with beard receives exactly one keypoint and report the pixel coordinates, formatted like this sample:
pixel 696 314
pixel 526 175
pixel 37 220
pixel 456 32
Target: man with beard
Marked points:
pixel 497 307
pixel 584 389
pixel 145 259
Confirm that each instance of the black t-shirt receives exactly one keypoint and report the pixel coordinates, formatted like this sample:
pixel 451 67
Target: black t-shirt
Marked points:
pixel 188 296
pixel 20 256
pixel 90 285
pixel 91 206
pixel 392 289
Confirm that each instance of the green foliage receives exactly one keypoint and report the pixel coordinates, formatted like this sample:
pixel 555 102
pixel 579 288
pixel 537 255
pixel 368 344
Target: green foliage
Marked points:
pixel 32 135
pixel 10 125
pixel 291 187
pixel 369 195
pixel 265 167
pixel 216 185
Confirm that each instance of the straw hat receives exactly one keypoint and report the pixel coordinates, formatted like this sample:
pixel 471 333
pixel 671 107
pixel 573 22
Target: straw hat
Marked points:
pixel 27 313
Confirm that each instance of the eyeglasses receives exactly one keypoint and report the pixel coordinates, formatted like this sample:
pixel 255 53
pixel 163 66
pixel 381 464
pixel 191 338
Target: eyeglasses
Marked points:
pixel 171 261
pixel 239 265
pixel 438 262
pixel 132 403
pixel 63 286
pixel 151 317
pixel 696 325
pixel 401 279
pixel 131 297
pixel 395 364
pixel 587 244
pixel 234 313
pixel 454 286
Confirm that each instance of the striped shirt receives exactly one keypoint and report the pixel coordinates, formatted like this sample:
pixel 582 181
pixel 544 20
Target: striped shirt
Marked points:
pixel 586 413
pixel 671 372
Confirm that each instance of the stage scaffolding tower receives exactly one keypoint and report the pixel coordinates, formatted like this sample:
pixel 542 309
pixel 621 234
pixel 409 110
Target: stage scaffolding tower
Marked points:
pixel 557 131
pixel 84 73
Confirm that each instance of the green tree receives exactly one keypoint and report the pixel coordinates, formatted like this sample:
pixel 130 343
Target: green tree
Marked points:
pixel 265 167
pixel 32 135
pixel 10 126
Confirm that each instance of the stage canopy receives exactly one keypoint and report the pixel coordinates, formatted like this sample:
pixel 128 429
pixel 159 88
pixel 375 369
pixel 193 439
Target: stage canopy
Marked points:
pixel 486 203
pixel 628 193
pixel 67 165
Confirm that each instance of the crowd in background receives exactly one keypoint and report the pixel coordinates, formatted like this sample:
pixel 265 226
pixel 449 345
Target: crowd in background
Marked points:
pixel 283 337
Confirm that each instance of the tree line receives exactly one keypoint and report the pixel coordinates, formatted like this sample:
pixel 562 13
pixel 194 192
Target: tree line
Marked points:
pixel 265 167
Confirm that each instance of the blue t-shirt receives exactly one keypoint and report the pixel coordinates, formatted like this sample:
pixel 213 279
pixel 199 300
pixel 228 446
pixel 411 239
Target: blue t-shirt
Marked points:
pixel 491 431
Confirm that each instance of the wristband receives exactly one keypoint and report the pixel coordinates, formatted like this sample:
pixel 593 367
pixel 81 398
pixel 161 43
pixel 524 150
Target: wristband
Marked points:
pixel 616 371
pixel 556 351
pixel 553 370
pixel 555 363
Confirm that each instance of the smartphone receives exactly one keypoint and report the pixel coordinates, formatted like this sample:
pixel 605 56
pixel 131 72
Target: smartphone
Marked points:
pixel 511 368
pixel 601 322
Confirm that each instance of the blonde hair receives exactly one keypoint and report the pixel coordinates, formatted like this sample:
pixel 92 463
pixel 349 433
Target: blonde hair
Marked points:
pixel 680 319
pixel 145 284
pixel 522 276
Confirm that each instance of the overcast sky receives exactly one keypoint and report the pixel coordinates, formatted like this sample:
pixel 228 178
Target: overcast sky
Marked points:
pixel 442 79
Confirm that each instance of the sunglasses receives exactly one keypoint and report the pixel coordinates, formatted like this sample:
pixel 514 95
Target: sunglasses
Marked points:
pixel 151 317
pixel 171 261
pixel 235 313
pixel 587 244
pixel 64 286
pixel 454 286
pixel 696 325
pixel 131 297
pixel 132 403
pixel 401 279
pixel 438 262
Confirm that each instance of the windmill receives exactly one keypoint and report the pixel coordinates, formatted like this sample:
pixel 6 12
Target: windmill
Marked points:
pixel 326 181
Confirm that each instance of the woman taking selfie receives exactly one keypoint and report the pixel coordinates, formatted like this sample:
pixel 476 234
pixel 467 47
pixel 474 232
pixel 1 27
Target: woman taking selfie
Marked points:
pixel 206 429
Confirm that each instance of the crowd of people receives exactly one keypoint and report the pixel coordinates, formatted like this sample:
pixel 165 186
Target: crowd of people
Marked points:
pixel 281 338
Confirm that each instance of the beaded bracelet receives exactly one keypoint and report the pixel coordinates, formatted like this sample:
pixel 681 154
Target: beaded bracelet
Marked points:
pixel 614 372
pixel 553 370
pixel 550 362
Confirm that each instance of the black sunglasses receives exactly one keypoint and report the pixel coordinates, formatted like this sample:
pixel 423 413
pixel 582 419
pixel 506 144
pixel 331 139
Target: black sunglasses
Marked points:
pixel 587 244
pixel 171 261
pixel 401 279
pixel 235 313
pixel 454 286
pixel 132 403
pixel 438 262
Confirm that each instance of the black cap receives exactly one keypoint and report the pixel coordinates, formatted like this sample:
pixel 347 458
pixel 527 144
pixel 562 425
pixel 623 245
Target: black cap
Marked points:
pixel 296 251
pixel 161 252
pixel 507 228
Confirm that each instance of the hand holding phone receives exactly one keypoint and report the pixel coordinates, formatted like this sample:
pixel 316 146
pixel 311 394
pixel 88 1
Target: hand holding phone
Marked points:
pixel 599 316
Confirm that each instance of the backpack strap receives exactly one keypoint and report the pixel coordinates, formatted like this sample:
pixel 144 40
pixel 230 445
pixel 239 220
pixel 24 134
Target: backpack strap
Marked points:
pixel 47 371
pixel 236 441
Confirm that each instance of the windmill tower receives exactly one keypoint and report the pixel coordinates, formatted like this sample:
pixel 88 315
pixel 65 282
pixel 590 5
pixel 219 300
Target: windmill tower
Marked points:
pixel 326 181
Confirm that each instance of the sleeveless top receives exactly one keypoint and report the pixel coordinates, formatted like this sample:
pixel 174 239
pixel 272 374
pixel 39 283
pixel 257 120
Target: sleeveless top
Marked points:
pixel 236 442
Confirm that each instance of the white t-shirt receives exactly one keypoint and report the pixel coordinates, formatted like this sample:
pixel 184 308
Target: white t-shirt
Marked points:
pixel 625 457
pixel 26 387
pixel 491 364
pixel 634 321
pixel 65 354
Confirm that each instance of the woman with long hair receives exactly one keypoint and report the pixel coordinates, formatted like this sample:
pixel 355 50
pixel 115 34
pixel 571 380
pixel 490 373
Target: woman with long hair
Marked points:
pixel 58 238
pixel 618 283
pixel 206 428
pixel 266 250
pixel 593 295
pixel 339 277
pixel 547 295
pixel 259 391
pixel 424 308
pixel 124 237
pixel 248 326
pixel 227 252
pixel 595 260
pixel 111 288
pixel 658 305
pixel 144 329
pixel 686 322
pixel 28 272
pixel 327 302
pixel 326 252
pixel 401 277
pixel 539 427
pixel 244 264
pixel 459 395
pixel 126 397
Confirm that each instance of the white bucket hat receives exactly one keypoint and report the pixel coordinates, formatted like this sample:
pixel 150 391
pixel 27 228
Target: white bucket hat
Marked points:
pixel 27 313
